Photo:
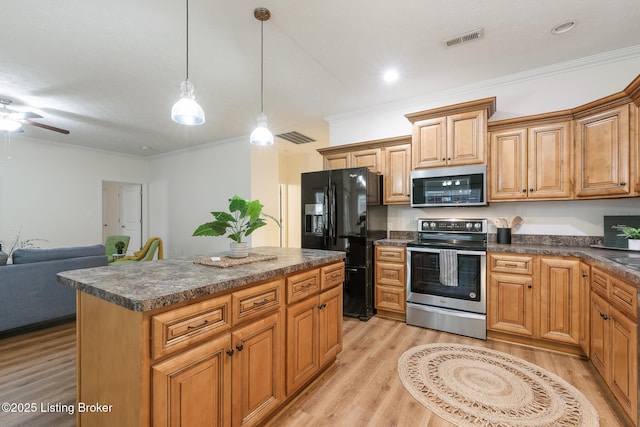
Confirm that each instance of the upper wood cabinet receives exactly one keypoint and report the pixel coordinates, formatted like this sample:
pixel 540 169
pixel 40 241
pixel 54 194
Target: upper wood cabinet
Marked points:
pixel 451 136
pixel 397 174
pixel 602 153
pixel 530 162
pixel 390 157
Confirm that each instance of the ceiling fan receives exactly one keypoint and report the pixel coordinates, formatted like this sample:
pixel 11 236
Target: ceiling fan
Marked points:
pixel 12 121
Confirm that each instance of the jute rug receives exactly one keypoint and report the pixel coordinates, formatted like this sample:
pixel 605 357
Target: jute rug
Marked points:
pixel 475 386
pixel 226 261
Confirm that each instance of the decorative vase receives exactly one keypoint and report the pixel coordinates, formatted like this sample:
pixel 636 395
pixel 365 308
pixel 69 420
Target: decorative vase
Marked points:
pixel 239 250
pixel 634 244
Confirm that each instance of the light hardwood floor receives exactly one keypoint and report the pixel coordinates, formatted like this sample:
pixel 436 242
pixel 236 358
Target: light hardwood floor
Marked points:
pixel 361 389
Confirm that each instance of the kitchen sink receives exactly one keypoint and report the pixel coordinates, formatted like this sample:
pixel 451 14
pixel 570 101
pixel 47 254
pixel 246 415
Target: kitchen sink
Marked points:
pixel 628 261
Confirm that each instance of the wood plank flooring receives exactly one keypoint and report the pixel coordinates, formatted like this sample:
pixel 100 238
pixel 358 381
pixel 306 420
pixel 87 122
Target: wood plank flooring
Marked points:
pixel 361 389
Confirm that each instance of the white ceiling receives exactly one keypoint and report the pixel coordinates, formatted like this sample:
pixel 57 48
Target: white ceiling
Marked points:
pixel 110 71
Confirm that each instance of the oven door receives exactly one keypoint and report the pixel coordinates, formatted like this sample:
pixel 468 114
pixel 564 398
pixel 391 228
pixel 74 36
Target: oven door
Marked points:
pixel 425 277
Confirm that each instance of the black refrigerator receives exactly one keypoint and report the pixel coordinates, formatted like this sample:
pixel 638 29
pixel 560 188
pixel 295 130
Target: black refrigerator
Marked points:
pixel 342 210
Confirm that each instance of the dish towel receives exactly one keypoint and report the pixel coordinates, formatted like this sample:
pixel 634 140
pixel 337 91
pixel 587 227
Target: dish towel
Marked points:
pixel 449 267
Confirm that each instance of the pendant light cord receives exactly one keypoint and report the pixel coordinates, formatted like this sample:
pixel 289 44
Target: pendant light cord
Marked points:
pixel 187 78
pixel 262 67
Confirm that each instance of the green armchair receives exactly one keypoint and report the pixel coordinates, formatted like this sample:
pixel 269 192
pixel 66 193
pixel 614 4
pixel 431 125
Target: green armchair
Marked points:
pixel 110 246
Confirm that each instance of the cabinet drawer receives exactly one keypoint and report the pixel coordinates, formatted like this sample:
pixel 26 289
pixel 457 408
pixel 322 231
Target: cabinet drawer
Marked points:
pixel 253 302
pixel 332 275
pixel 182 327
pixel 390 298
pixel 300 286
pixel 624 297
pixel 391 254
pixel 515 264
pixel 390 274
pixel 600 281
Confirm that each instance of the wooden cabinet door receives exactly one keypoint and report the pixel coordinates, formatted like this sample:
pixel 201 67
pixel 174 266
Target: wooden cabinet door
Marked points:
pixel 549 162
pixel 194 387
pixel 508 165
pixel 371 159
pixel 635 146
pixel 510 304
pixel 466 138
pixel 397 176
pixel 257 370
pixel 302 343
pixel 330 329
pixel 429 143
pixel 600 335
pixel 585 308
pixel 602 154
pixel 336 161
pixel 624 363
pixel 560 300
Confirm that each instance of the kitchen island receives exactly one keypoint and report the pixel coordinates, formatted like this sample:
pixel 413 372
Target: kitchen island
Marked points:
pixel 173 341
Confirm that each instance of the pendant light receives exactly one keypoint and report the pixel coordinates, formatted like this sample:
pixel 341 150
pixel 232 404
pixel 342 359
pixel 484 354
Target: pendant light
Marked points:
pixel 261 135
pixel 186 110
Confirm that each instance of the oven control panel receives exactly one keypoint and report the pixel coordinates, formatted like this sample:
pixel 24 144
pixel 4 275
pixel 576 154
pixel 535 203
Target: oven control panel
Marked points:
pixel 465 225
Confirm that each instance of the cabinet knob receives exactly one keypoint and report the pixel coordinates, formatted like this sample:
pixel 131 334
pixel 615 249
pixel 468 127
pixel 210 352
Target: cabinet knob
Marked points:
pixel 239 347
pixel 584 275
pixel 529 286
pixel 230 352
pixel 622 184
pixel 443 159
pixel 531 190
pixel 604 316
pixel 524 190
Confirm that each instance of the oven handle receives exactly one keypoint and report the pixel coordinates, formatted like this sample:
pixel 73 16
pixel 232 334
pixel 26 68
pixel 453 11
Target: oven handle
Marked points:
pixel 437 251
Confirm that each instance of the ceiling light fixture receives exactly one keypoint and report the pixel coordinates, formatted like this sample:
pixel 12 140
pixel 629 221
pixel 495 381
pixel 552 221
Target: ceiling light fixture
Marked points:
pixel 261 135
pixel 9 125
pixel 186 110
pixel 564 27
pixel 391 76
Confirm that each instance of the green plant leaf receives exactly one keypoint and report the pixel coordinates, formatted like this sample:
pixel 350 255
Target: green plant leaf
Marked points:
pixel 238 204
pixel 215 228
pixel 223 216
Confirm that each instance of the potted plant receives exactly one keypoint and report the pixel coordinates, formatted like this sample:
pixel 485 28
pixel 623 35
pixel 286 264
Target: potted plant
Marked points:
pixel 119 247
pixel 633 235
pixel 243 218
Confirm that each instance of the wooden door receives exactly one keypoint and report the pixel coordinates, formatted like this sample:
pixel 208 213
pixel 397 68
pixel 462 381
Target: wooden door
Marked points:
pixel 194 388
pixel 585 307
pixel 371 159
pixel 336 161
pixel 510 304
pixel 549 162
pixel 257 370
pixel 624 362
pixel 560 300
pixel 429 143
pixel 600 335
pixel 397 176
pixel 330 330
pixel 466 138
pixel 635 146
pixel 602 154
pixel 302 343
pixel 508 165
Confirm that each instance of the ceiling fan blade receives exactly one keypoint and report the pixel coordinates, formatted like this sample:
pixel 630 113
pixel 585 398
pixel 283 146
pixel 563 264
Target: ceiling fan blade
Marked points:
pixel 26 115
pixel 40 125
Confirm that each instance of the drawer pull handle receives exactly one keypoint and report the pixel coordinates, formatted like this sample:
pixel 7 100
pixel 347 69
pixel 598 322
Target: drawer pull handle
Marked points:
pixel 263 302
pixel 604 316
pixel 321 306
pixel 198 326
pixel 511 264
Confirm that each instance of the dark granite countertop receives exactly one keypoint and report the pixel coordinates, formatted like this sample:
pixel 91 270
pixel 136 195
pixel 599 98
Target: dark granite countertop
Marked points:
pixel 145 286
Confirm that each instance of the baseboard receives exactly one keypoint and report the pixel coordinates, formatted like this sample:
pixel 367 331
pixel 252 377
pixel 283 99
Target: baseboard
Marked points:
pixel 37 326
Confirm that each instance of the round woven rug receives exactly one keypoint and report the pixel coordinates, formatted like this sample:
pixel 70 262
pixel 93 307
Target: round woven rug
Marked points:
pixel 475 386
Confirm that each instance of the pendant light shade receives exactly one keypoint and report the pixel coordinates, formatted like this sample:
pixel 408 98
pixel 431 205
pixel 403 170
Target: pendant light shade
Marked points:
pixel 186 110
pixel 261 135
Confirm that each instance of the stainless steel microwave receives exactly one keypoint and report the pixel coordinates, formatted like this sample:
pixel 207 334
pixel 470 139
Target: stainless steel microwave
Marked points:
pixel 449 186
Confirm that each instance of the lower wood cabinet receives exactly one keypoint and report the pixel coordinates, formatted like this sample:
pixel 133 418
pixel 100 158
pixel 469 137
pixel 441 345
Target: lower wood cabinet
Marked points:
pixel 536 297
pixel 390 282
pixel 614 341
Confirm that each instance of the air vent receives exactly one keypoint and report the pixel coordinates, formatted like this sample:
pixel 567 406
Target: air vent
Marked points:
pixel 464 38
pixel 295 137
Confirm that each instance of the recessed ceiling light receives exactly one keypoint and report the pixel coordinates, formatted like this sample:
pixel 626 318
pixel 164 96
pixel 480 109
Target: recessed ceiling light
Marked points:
pixel 145 147
pixel 391 76
pixel 564 27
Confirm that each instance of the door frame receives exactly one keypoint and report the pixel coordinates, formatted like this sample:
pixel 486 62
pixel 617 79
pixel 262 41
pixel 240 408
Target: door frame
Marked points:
pixel 144 211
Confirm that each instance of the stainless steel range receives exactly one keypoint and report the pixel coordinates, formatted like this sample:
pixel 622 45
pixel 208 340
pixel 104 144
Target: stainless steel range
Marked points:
pixel 446 269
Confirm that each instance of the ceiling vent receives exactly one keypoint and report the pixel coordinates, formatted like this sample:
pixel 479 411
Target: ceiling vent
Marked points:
pixel 464 38
pixel 295 137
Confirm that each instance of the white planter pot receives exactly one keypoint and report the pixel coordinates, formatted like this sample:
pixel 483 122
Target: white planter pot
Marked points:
pixel 239 250
pixel 634 244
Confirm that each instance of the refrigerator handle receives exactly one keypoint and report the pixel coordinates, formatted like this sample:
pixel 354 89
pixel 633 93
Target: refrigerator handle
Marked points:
pixel 334 207
pixel 325 217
